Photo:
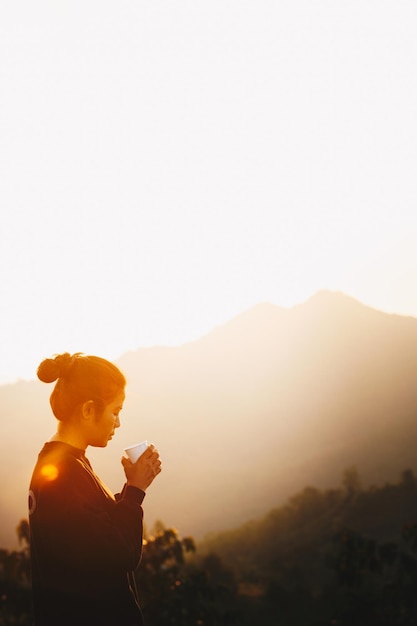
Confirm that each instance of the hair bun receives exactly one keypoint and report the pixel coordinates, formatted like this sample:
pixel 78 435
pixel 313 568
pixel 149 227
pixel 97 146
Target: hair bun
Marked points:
pixel 52 369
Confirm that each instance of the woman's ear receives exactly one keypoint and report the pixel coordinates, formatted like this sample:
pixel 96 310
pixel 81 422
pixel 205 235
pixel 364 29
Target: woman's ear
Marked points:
pixel 88 410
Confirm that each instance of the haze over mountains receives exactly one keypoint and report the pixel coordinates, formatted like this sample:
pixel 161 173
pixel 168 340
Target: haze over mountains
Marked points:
pixel 255 410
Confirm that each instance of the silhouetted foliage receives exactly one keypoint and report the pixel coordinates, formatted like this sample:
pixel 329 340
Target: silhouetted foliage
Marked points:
pixel 173 590
pixel 351 482
pixel 15 592
pixel 377 581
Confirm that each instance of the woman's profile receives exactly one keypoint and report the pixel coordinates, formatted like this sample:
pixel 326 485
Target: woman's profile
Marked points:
pixel 85 542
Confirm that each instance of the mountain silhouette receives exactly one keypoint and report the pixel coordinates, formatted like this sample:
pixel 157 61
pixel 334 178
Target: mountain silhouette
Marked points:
pixel 272 401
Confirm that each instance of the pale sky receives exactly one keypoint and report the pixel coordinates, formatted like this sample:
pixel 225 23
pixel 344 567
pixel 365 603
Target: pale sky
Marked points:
pixel 166 165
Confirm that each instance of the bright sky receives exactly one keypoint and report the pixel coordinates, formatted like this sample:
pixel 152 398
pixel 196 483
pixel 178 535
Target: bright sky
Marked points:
pixel 166 165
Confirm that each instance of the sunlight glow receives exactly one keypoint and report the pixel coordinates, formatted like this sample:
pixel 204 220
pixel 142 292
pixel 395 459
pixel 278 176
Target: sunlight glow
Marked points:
pixel 166 166
pixel 49 472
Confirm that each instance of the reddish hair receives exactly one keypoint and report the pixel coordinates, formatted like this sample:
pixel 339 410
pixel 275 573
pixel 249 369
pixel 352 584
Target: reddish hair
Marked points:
pixel 80 378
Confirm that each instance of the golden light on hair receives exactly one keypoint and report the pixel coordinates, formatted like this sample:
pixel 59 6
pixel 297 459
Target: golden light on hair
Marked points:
pixel 49 472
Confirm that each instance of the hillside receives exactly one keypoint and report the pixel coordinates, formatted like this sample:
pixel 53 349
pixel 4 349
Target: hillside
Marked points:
pixel 340 556
pixel 271 401
pixel 299 533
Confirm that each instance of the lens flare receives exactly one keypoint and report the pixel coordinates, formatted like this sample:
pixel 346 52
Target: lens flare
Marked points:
pixel 49 472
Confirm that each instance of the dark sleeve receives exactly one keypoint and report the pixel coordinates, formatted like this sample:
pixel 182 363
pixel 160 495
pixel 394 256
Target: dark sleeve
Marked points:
pixel 83 527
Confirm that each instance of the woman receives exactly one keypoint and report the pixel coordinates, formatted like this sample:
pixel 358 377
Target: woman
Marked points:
pixel 85 542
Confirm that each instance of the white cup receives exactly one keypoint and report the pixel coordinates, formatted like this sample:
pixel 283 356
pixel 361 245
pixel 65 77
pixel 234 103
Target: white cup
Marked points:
pixel 135 451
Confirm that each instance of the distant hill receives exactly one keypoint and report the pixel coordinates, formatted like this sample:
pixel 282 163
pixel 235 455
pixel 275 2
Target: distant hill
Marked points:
pixel 303 529
pixel 339 556
pixel 271 401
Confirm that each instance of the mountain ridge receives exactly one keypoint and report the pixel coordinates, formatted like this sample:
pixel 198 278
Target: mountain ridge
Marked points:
pixel 256 409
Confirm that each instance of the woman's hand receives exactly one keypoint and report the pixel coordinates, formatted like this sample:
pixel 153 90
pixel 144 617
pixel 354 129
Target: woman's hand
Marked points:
pixel 142 473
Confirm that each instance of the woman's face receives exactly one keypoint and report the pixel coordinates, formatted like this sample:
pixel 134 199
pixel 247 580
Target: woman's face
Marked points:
pixel 106 423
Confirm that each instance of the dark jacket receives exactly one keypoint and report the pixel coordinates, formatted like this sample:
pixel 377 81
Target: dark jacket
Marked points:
pixel 85 543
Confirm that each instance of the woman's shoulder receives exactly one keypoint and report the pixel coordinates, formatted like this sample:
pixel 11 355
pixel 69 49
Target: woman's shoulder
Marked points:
pixel 57 461
pixel 60 452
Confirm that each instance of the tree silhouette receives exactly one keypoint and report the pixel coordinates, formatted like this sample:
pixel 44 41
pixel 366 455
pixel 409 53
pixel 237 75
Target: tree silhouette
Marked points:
pixel 351 482
pixel 15 592
pixel 174 589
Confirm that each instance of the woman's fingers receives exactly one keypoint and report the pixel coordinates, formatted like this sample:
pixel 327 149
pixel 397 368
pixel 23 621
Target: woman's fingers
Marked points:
pixel 142 473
